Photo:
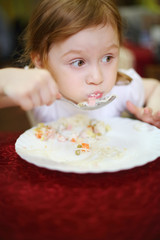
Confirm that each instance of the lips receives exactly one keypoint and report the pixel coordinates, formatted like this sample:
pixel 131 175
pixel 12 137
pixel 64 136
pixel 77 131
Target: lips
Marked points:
pixel 95 95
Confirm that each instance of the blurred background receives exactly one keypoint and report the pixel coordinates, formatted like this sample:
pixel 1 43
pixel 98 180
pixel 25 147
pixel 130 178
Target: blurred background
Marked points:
pixel 140 50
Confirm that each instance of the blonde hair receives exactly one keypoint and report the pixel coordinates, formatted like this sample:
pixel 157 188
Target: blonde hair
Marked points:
pixel 56 20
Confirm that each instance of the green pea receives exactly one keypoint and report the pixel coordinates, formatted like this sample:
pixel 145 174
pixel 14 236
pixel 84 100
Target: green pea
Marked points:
pixel 79 146
pixel 78 152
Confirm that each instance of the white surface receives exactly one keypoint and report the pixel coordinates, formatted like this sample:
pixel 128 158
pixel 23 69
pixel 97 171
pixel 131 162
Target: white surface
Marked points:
pixel 128 144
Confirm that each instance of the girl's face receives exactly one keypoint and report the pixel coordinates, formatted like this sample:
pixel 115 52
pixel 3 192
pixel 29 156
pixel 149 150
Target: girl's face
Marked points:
pixel 85 63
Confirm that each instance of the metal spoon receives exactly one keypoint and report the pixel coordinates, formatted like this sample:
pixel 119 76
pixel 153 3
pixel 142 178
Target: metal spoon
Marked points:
pixel 100 102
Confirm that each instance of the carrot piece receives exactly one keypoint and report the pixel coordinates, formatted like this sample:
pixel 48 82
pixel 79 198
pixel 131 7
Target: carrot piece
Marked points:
pixel 73 140
pixel 85 145
pixel 39 134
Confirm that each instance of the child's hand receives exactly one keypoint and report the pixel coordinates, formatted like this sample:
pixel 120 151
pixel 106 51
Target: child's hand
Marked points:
pixel 144 114
pixel 29 88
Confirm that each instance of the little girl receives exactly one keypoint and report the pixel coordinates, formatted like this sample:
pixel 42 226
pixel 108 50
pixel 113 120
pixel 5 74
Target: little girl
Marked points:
pixel 78 42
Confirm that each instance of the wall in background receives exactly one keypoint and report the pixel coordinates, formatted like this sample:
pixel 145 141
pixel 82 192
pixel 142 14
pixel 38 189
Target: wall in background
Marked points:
pixel 18 9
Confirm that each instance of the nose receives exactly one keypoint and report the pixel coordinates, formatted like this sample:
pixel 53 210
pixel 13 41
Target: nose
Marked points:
pixel 94 76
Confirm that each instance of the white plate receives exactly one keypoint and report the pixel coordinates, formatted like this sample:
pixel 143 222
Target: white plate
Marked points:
pixel 128 144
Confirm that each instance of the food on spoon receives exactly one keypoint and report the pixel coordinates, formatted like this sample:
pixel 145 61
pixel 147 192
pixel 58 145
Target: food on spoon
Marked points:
pixel 94 99
pixel 91 101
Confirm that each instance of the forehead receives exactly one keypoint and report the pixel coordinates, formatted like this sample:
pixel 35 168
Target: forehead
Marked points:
pixel 93 37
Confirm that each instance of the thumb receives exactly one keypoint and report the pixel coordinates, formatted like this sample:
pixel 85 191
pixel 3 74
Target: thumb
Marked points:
pixel 58 96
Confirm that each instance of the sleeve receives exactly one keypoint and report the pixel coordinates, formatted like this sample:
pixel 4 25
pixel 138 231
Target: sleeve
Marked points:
pixel 44 113
pixel 135 90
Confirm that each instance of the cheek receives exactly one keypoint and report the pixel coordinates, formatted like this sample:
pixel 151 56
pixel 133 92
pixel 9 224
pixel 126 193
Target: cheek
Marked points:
pixel 67 80
pixel 110 85
pixel 113 75
pixel 111 78
pixel 68 85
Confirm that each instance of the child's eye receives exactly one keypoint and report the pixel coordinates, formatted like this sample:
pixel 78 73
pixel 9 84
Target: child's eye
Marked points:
pixel 77 63
pixel 106 58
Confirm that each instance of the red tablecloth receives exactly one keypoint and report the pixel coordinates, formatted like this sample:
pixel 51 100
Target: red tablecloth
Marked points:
pixel 40 204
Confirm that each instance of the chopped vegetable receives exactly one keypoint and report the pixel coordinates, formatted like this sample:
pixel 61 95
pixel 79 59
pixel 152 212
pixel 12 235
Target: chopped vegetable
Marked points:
pixel 85 145
pixel 78 152
pixel 38 134
pixel 44 132
pixel 79 146
pixel 73 140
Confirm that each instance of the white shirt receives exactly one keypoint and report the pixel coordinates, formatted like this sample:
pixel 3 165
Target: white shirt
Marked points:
pixel 133 92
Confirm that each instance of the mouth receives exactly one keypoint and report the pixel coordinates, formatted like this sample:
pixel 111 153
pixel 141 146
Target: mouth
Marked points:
pixel 96 95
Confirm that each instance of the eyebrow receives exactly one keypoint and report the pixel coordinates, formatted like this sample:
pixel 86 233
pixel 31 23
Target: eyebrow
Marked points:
pixel 112 46
pixel 72 52
pixel 76 51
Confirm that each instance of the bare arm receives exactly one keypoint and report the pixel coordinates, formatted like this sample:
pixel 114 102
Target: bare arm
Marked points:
pixel 152 94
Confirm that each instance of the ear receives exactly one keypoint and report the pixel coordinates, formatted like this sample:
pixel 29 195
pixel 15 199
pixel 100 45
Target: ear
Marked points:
pixel 36 60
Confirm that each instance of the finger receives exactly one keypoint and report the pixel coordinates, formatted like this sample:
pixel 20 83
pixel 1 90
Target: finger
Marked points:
pixel 157 124
pixel 36 99
pixel 26 104
pixel 55 94
pixel 54 89
pixel 147 111
pixel 147 115
pixel 45 95
pixel 156 116
pixel 144 114
pixel 58 96
pixel 134 109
